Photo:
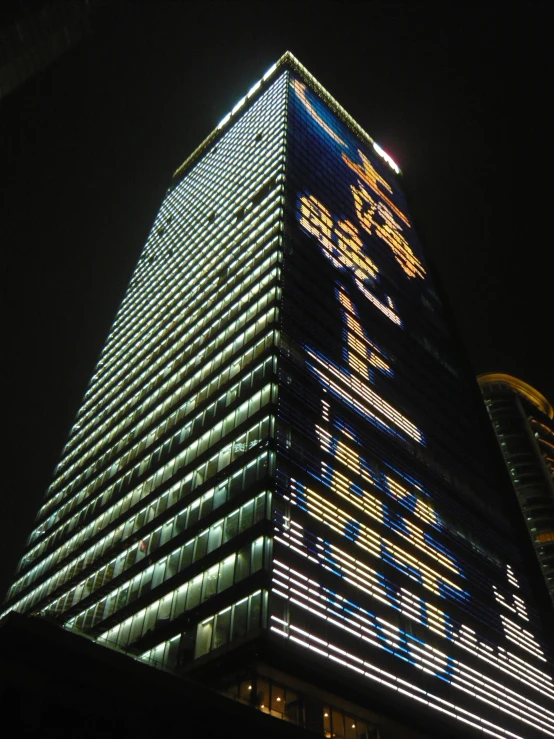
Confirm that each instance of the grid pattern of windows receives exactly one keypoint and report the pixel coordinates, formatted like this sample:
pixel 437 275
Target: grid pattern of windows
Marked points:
pixel 390 557
pixel 278 441
pixel 216 579
pixel 216 631
pixel 177 422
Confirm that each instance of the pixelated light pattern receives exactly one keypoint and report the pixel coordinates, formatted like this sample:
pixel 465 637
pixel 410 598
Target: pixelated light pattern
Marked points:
pixel 376 213
pixel 180 420
pixel 394 550
pixel 302 93
pixel 347 383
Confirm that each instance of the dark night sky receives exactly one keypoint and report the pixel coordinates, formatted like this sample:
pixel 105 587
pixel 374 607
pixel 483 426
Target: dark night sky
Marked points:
pixel 460 99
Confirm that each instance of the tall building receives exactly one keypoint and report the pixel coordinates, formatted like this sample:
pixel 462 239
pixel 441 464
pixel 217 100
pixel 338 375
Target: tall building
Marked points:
pixel 277 481
pixel 523 422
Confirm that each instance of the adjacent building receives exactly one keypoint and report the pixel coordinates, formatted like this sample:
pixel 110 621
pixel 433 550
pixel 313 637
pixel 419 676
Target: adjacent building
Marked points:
pixel 278 481
pixel 523 421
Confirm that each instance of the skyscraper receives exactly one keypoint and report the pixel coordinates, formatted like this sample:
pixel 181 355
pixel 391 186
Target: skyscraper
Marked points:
pixel 523 422
pixel 276 480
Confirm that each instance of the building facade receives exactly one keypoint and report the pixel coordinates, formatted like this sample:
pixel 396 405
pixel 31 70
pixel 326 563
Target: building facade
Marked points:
pixel 523 422
pixel 276 480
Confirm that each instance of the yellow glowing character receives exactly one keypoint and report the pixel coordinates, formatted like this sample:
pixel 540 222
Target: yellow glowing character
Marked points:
pixel 376 218
pixel 368 174
pixel 377 215
pixel 361 349
pixel 340 241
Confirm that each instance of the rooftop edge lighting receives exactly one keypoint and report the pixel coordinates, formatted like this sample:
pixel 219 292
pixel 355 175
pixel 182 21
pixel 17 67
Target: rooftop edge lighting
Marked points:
pixel 522 388
pixel 288 60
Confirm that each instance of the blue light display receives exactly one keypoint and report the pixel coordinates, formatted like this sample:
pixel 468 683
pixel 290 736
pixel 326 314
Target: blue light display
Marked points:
pixel 407 581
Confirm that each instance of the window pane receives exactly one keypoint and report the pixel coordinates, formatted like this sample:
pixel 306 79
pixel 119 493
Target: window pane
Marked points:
pixel 231 526
pixel 207 503
pixel 214 537
pixel 337 720
pixel 292 707
pixel 257 554
pixel 179 601
pixel 226 573
pixel 240 615
pixel 220 496
pixel 203 638
pixel 246 516
pixel 210 583
pixel 245 691
pixel 222 627
pixel 350 728
pixel 327 721
pixel 243 564
pixel 262 695
pixel 193 595
pixel 201 546
pixel 186 555
pixel 194 512
pixel 277 699
pixel 255 611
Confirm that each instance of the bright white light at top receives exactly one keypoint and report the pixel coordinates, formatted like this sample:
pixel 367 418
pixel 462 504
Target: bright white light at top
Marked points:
pixel 253 89
pixel 383 154
pixel 269 72
pixel 238 105
pixel 224 121
pixel 251 92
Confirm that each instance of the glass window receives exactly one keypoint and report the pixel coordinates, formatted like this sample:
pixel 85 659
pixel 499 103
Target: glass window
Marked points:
pixel 206 504
pixel 236 484
pixel 326 721
pixel 151 617
pixel 240 618
pixel 210 583
pixel 277 700
pixel 124 632
pixel 220 495
pixel 159 572
pixel 243 564
pixel 172 652
pixel 186 555
pixel 193 595
pixel 226 573
pixel 179 601
pixel 231 526
pixel 246 516
pixel 350 728
pixel 255 611
pixel 292 707
pixel 173 564
pixel 215 536
pixel 337 721
pixel 203 638
pixel 260 507
pixel 201 546
pixel 222 627
pixel 262 694
pixel 245 690
pixel 257 554
pixel 250 475
pixel 136 626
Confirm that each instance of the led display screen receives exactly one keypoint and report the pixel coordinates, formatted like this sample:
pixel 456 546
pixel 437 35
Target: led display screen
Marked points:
pixel 386 561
